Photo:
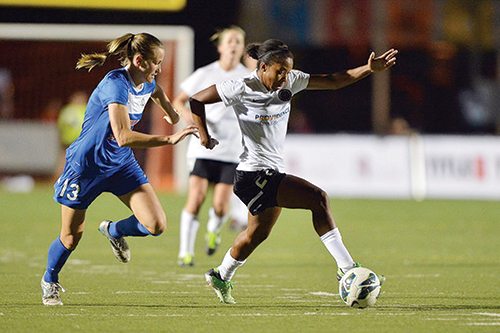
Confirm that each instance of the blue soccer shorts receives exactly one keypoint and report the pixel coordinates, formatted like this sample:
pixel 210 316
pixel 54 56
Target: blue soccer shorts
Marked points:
pixel 78 191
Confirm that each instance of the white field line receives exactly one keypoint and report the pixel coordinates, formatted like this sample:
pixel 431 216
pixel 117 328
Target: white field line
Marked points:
pixel 78 262
pixel 154 292
pixel 488 314
pixel 190 315
pixel 323 293
pixel 492 319
pixel 495 321
pixel 421 276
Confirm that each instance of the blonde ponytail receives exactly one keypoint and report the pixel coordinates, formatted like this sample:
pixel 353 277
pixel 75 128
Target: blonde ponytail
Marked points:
pixel 89 61
pixel 125 47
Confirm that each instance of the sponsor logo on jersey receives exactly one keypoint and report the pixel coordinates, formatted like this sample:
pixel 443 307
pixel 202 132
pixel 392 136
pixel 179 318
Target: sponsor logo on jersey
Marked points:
pixel 271 117
pixel 136 103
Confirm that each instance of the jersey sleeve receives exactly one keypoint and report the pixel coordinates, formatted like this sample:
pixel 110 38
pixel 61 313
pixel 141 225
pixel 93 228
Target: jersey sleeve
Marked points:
pixel 298 80
pixel 114 91
pixel 191 84
pixel 230 91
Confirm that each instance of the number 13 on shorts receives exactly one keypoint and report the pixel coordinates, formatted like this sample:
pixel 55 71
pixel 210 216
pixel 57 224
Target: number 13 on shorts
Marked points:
pixel 71 191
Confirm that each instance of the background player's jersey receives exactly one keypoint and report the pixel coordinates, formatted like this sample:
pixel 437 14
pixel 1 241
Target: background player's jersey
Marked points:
pixel 221 120
pixel 96 150
pixel 262 116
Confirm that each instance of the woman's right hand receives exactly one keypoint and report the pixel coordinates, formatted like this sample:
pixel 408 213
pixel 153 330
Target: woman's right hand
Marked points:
pixel 209 142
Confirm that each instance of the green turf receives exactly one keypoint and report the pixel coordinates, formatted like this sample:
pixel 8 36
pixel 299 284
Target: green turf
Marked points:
pixel 441 260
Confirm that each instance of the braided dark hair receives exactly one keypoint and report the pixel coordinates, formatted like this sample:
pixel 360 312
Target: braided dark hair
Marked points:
pixel 270 52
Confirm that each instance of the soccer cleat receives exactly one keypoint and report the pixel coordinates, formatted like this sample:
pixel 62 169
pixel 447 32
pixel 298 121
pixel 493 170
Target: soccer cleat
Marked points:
pixel 340 273
pixel 118 245
pixel 222 288
pixel 381 278
pixel 186 261
pixel 212 241
pixel 50 293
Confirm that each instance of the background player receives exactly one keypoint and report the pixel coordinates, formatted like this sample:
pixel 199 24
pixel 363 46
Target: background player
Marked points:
pixel 216 166
pixel 69 124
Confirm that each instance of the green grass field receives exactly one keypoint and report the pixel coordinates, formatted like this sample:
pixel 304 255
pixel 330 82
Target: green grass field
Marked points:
pixel 441 260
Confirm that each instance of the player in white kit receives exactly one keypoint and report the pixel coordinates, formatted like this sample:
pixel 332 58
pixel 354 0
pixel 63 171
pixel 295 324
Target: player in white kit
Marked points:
pixel 213 166
pixel 261 102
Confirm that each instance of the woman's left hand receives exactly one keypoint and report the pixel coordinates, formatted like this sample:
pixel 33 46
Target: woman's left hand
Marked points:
pixel 385 61
pixel 181 135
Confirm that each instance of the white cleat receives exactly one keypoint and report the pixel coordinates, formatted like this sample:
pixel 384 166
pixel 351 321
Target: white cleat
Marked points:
pixel 50 293
pixel 118 245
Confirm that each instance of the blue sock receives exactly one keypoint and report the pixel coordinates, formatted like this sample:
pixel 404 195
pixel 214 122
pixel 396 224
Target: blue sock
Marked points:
pixel 56 259
pixel 128 227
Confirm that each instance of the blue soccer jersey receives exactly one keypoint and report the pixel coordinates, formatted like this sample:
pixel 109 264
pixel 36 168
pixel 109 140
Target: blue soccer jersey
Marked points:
pixel 96 150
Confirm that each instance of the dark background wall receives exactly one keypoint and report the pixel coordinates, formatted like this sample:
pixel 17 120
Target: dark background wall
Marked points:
pixel 445 81
pixel 203 16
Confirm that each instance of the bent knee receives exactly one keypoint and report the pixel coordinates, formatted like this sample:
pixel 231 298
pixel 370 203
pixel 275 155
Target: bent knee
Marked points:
pixel 221 209
pixel 156 225
pixel 70 242
pixel 320 201
pixel 323 198
pixel 159 227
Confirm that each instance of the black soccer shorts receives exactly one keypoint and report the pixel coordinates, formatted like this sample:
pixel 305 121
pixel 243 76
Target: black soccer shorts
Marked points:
pixel 258 189
pixel 215 171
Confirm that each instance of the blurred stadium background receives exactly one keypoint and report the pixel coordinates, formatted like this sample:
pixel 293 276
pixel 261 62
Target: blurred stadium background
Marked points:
pixel 427 129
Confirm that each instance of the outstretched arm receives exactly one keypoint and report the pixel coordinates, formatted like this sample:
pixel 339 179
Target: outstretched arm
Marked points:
pixel 179 103
pixel 161 99
pixel 197 103
pixel 344 78
pixel 125 137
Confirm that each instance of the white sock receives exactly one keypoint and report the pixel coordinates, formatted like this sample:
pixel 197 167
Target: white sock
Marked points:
pixel 195 224
pixel 215 223
pixel 333 242
pixel 188 225
pixel 228 266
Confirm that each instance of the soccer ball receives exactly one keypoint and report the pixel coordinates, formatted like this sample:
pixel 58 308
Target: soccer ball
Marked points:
pixel 359 287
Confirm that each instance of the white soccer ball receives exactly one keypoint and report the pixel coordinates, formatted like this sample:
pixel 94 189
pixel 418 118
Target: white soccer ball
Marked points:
pixel 359 287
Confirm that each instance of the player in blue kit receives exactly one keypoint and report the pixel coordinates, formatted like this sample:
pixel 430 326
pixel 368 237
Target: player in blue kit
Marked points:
pixel 261 102
pixel 101 159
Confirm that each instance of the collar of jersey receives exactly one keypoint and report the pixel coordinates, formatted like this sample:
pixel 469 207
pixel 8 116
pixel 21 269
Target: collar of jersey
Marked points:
pixel 132 83
pixel 264 88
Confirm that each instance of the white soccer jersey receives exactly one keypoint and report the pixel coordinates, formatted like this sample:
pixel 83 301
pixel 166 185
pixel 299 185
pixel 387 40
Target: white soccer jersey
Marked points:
pixel 262 116
pixel 221 120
